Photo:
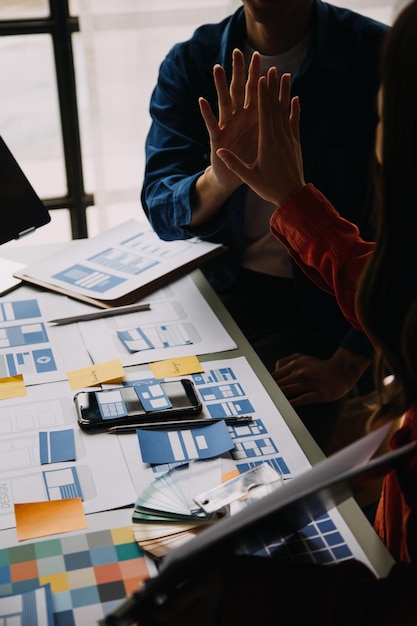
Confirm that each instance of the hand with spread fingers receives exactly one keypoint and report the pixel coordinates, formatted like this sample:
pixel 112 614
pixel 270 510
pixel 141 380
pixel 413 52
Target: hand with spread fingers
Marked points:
pixel 277 170
pixel 237 125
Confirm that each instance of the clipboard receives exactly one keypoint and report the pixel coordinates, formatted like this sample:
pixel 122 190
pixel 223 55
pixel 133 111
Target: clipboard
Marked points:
pixel 119 266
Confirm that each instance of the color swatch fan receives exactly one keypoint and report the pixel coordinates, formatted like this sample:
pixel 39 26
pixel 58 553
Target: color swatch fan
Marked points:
pixel 172 509
pixel 165 515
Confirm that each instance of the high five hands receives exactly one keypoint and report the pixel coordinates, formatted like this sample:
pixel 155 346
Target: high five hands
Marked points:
pixel 274 167
pixel 237 125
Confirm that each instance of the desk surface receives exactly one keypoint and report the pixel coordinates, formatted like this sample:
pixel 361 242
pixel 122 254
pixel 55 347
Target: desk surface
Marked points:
pixel 351 513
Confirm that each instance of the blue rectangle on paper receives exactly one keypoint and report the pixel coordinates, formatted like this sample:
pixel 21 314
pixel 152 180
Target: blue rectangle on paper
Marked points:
pixel 184 445
pixel 56 446
pixel 44 360
pixel 230 409
pixel 11 365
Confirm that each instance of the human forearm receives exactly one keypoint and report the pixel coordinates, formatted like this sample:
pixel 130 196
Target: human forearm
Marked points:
pixel 208 196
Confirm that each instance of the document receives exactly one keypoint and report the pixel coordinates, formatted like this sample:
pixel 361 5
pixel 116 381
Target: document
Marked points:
pixel 31 347
pixel 120 266
pixel 26 475
pixel 179 323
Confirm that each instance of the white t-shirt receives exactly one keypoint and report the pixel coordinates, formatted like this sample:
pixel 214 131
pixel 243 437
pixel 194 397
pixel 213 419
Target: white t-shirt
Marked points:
pixel 264 253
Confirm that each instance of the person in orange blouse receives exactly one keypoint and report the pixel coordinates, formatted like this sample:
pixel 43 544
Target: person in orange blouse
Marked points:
pixel 375 284
pixel 365 277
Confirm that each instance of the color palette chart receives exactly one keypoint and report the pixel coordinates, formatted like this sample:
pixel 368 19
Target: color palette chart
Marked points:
pixel 89 574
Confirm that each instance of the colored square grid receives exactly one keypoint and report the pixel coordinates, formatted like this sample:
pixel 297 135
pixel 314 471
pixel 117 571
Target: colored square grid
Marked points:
pixel 89 573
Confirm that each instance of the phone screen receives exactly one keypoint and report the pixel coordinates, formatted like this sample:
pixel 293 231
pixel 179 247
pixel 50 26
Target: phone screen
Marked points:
pixel 124 405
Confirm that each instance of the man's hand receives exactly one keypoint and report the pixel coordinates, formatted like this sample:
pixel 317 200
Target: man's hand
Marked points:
pixel 277 170
pixel 236 129
pixel 305 379
pixel 237 126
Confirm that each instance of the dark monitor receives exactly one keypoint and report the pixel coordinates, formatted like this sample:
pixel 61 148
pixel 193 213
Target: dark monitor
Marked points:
pixel 22 210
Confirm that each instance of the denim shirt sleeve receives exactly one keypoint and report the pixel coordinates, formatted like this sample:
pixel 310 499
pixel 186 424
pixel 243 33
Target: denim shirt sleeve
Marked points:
pixel 177 146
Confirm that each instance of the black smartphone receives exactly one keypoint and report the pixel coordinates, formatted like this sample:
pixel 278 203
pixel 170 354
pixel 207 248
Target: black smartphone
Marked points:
pixel 141 402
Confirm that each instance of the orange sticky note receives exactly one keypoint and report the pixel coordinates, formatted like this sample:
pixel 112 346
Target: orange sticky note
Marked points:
pixel 176 367
pixel 12 387
pixel 93 375
pixel 37 519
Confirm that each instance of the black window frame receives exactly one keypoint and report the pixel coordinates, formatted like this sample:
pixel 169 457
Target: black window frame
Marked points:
pixel 60 25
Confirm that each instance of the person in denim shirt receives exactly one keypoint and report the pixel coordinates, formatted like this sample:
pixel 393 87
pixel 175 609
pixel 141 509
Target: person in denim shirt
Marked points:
pixel 298 331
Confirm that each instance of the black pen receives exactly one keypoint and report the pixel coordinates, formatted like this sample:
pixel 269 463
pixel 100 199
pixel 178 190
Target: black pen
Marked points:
pixel 131 428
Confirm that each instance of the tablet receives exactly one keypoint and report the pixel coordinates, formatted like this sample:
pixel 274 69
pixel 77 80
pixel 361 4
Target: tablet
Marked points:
pixel 22 211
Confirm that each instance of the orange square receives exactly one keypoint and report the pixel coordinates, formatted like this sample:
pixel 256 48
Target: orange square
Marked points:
pixel 24 571
pixel 107 573
pixel 131 585
pixel 134 568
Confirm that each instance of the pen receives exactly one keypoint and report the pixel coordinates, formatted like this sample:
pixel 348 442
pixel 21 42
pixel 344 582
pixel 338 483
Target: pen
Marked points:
pixel 119 310
pixel 131 428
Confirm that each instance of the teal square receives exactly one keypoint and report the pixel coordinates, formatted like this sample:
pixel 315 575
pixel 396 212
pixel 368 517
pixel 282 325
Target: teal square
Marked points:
pixel 127 551
pixel 4 557
pixel 51 547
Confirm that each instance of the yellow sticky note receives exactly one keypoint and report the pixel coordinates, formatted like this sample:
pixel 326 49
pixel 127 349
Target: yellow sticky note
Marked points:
pixel 37 519
pixel 107 372
pixel 176 367
pixel 12 387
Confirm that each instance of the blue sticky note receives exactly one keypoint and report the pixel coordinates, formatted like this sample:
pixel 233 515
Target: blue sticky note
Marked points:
pixel 56 446
pixel 171 446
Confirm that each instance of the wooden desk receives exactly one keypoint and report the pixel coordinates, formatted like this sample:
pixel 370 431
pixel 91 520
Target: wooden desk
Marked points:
pixel 351 513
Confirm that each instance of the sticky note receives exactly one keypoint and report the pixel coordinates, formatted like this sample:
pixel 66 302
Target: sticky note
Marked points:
pixel 93 375
pixel 12 387
pixel 176 367
pixel 37 519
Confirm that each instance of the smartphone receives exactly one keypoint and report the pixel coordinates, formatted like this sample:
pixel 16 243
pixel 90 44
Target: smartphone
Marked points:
pixel 142 402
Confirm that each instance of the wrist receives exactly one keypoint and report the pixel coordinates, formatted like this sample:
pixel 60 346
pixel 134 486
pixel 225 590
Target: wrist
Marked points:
pixel 352 365
pixel 209 195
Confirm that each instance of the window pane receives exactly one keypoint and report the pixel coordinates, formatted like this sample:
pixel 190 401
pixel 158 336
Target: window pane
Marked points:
pixel 29 115
pixel 18 9
pixel 83 107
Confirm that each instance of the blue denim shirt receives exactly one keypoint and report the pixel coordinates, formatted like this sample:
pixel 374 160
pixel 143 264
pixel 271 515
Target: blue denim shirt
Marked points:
pixel 337 85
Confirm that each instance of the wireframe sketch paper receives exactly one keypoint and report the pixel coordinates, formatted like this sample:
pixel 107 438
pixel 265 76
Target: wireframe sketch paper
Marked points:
pixel 119 266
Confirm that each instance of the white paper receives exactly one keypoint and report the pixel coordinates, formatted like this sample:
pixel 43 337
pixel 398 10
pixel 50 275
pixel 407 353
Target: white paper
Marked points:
pixel 178 306
pixel 100 466
pixel 33 348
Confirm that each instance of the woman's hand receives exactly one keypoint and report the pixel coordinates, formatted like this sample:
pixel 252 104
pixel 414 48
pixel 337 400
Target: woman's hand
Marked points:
pixel 277 170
